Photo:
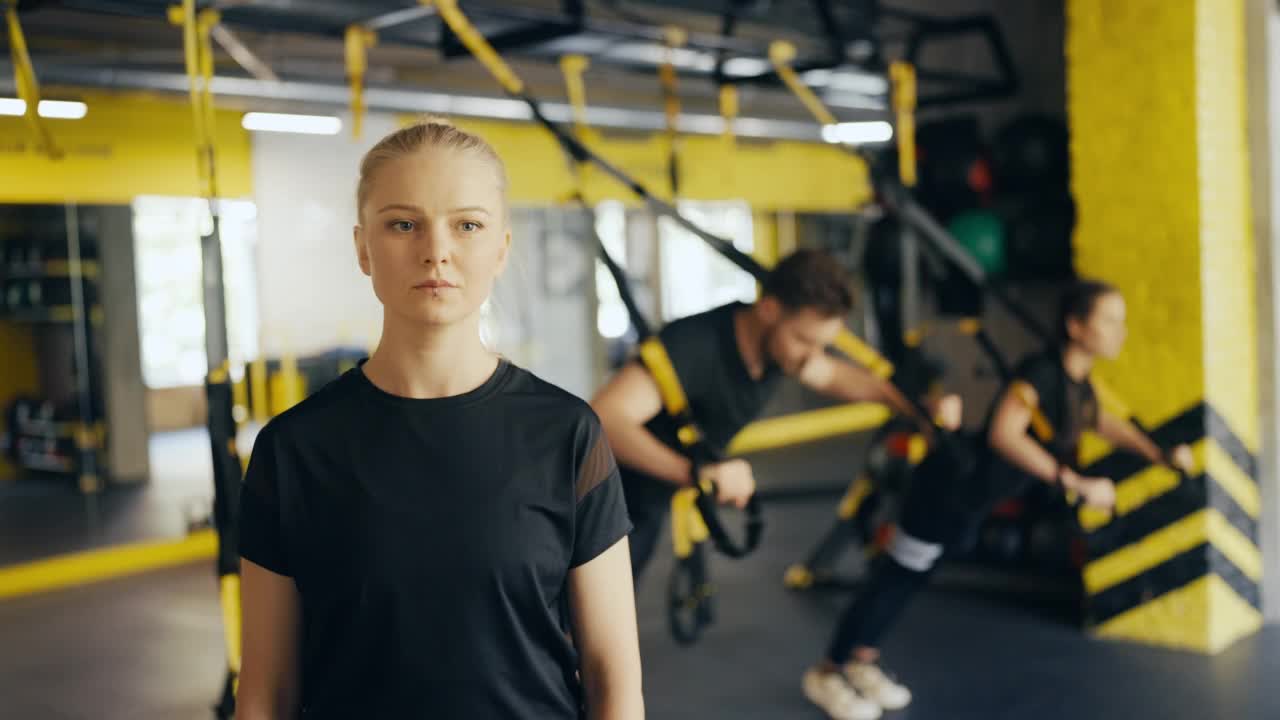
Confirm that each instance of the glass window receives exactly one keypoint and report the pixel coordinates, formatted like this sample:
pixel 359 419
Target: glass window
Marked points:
pixel 167 232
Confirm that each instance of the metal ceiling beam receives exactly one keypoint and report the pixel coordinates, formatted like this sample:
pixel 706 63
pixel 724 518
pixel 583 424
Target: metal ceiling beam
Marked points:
pixel 337 96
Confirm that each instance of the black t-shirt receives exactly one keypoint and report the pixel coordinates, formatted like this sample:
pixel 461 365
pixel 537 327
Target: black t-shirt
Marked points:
pixel 431 541
pixel 1069 406
pixel 723 397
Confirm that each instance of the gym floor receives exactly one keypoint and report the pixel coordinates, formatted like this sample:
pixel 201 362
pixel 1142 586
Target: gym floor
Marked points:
pixel 150 646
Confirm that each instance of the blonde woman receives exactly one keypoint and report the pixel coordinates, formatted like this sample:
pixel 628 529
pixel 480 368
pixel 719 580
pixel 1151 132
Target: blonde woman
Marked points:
pixel 438 533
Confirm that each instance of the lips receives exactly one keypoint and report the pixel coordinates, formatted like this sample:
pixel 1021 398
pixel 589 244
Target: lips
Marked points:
pixel 434 285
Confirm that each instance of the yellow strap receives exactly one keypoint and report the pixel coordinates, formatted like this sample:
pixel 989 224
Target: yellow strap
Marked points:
pixel 1040 425
pixel 573 67
pixel 654 356
pixel 229 592
pixel 24 76
pixel 729 112
pixel 198 55
pixel 781 53
pixel 673 38
pixel 356 43
pixel 903 75
pixel 478 46
pixel 864 354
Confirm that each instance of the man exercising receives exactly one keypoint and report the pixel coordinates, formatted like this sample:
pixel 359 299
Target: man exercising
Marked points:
pixel 729 361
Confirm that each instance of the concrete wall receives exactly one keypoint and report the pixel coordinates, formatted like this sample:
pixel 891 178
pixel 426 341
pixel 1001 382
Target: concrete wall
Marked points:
pixel 1264 112
pixel 120 349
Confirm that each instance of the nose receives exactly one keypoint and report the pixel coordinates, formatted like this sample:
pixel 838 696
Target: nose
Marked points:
pixel 434 245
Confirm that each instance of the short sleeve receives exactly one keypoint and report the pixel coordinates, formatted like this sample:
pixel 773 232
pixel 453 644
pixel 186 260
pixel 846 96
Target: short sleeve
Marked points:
pixel 261 534
pixel 1041 375
pixel 600 516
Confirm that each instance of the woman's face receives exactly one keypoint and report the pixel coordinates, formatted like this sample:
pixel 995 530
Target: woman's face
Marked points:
pixel 434 235
pixel 1102 334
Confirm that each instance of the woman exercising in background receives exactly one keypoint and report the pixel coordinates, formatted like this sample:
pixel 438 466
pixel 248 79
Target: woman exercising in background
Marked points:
pixel 1032 435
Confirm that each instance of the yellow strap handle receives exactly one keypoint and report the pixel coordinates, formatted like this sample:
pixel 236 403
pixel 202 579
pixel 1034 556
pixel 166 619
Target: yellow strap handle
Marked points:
pixel 356 43
pixel 687 526
pixel 903 76
pixel 478 46
pixel 24 76
pixel 781 53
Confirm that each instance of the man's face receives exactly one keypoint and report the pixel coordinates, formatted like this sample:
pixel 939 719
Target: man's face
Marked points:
pixel 795 336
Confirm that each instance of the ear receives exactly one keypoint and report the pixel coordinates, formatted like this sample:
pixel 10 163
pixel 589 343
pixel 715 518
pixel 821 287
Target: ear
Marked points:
pixel 362 249
pixel 769 310
pixel 504 252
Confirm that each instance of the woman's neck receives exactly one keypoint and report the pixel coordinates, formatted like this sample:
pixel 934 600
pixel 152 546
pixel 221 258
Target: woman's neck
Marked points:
pixel 423 362
pixel 1077 362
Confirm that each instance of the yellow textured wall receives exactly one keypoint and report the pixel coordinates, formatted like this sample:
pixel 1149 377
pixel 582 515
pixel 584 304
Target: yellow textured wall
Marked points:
pixel 127 145
pixel 1131 101
pixel 1159 171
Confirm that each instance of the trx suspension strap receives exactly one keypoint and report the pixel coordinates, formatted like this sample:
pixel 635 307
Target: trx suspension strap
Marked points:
pixel 198 50
pixel 24 77
pixel 479 47
pixel 673 38
pixel 694 514
pixel 655 358
pixel 357 39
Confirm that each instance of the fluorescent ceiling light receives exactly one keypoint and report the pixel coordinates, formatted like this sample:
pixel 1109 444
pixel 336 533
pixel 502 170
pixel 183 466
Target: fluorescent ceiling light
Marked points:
pixel 858 133
pixel 746 66
pixel 857 81
pixel 286 123
pixel 56 109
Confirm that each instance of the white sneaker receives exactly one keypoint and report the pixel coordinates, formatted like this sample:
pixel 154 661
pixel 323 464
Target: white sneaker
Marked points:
pixel 832 693
pixel 871 682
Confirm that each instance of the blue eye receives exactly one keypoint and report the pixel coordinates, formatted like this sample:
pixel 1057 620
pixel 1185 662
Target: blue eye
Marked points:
pixel 468 226
pixel 402 225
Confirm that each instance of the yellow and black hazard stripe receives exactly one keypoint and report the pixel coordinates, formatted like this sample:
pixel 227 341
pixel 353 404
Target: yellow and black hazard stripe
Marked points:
pixel 1179 563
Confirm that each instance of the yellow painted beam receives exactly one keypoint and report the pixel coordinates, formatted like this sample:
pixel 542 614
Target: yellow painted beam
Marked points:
pixel 80 568
pixel 797 428
pixel 128 144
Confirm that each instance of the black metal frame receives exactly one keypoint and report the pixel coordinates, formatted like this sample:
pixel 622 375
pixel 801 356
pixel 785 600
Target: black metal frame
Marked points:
pixel 534 32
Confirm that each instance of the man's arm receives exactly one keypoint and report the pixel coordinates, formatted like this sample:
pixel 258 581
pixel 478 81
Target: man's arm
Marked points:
pixel 624 405
pixel 843 380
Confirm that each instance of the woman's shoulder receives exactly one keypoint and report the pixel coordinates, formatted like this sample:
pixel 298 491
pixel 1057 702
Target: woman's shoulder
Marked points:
pixel 536 392
pixel 319 411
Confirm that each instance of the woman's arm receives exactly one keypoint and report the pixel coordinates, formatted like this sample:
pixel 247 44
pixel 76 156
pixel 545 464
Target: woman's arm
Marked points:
pixel 1124 434
pixel 604 630
pixel 1008 437
pixel 270 674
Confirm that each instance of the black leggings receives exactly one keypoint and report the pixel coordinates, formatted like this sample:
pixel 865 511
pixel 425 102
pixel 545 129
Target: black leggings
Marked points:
pixel 931 515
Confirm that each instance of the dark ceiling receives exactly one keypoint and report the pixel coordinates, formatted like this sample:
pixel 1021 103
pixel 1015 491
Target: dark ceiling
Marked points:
pixel 129 43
